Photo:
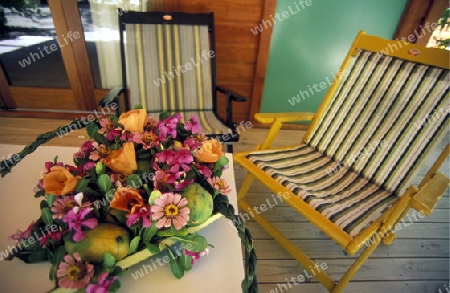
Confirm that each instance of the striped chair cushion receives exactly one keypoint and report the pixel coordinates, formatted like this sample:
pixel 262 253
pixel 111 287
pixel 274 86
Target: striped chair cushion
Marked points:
pixel 344 197
pixel 385 116
pixel 169 69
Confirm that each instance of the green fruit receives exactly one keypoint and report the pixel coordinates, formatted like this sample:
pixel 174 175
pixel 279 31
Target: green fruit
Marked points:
pixel 104 238
pixel 200 203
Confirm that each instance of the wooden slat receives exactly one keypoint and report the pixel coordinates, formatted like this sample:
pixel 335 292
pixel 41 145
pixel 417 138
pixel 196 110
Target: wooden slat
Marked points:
pixel 400 269
pixel 234 71
pixel 366 287
pixel 309 231
pixel 240 53
pixel 227 9
pixel 238 33
pixel 405 248
pixel 44 98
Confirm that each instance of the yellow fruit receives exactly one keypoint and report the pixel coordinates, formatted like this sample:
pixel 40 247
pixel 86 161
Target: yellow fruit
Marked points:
pixel 104 238
pixel 200 204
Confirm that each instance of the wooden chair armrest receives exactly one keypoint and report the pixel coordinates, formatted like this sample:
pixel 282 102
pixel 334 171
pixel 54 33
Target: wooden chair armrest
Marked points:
pixel 427 197
pixel 277 119
pixel 284 117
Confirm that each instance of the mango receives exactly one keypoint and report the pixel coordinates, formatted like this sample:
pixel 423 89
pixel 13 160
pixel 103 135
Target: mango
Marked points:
pixel 104 238
pixel 200 203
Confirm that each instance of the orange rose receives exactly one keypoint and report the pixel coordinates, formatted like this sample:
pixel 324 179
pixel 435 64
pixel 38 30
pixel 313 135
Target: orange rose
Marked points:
pixel 127 199
pixel 59 181
pixel 122 160
pixel 210 152
pixel 134 120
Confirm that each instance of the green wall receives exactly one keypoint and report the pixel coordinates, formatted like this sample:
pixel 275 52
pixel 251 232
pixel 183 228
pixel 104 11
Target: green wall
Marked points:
pixel 310 43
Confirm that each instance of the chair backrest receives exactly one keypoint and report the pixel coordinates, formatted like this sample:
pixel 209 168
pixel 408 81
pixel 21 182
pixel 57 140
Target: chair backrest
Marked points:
pixel 387 111
pixel 170 60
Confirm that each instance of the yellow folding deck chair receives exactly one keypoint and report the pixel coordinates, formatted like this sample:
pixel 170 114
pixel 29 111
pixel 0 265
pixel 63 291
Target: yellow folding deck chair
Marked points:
pixel 352 174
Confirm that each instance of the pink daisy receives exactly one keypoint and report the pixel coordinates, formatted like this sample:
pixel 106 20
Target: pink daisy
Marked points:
pixel 74 273
pixel 170 209
pixel 220 185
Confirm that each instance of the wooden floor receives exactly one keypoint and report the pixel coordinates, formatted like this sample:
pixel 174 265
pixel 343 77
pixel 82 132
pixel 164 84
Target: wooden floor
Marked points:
pixel 417 262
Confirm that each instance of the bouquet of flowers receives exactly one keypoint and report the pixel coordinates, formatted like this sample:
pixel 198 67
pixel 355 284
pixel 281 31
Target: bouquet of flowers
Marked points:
pixel 137 186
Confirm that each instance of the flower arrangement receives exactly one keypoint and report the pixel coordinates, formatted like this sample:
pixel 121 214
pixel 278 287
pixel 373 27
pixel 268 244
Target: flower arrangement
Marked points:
pixel 137 186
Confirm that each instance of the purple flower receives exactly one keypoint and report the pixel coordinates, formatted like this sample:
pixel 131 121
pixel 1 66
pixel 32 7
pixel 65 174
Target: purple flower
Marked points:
pixel 193 125
pixel 196 255
pixel 143 213
pixel 103 284
pixel 168 127
pixel 76 220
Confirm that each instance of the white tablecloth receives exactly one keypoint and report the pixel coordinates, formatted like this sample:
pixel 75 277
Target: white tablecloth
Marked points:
pixel 220 271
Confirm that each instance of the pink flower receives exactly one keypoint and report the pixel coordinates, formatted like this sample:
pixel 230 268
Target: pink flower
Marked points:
pixel 102 285
pixel 55 236
pixel 205 170
pixel 143 213
pixel 73 273
pixel 84 151
pixel 170 209
pixel 19 235
pixel 196 255
pixel 168 127
pixel 76 220
pixel 100 151
pixel 193 125
pixel 220 185
pixel 160 181
pixel 63 205
pixel 109 129
pixel 148 139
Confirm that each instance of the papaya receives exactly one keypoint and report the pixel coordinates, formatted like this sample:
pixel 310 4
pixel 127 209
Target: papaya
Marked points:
pixel 104 238
pixel 200 203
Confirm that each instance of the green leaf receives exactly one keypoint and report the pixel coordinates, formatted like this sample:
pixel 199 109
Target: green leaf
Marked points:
pixel 163 115
pixel 114 287
pixel 153 248
pixel 37 256
pixel 108 260
pixel 92 129
pixel 195 243
pixel 186 262
pixel 172 232
pixel 81 186
pixel 58 256
pixel 39 193
pixel 46 216
pixel 104 182
pixel 149 233
pixel 100 168
pixel 50 200
pixel 134 180
pixel 134 244
pixel 154 196
pixel 222 162
pixel 176 265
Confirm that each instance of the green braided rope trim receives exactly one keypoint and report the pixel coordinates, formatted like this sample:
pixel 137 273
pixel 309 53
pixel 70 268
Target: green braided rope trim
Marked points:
pixel 250 283
pixel 40 140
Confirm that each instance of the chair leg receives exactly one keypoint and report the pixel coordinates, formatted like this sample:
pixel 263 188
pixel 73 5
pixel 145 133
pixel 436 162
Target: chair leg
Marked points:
pixel 230 148
pixel 245 186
